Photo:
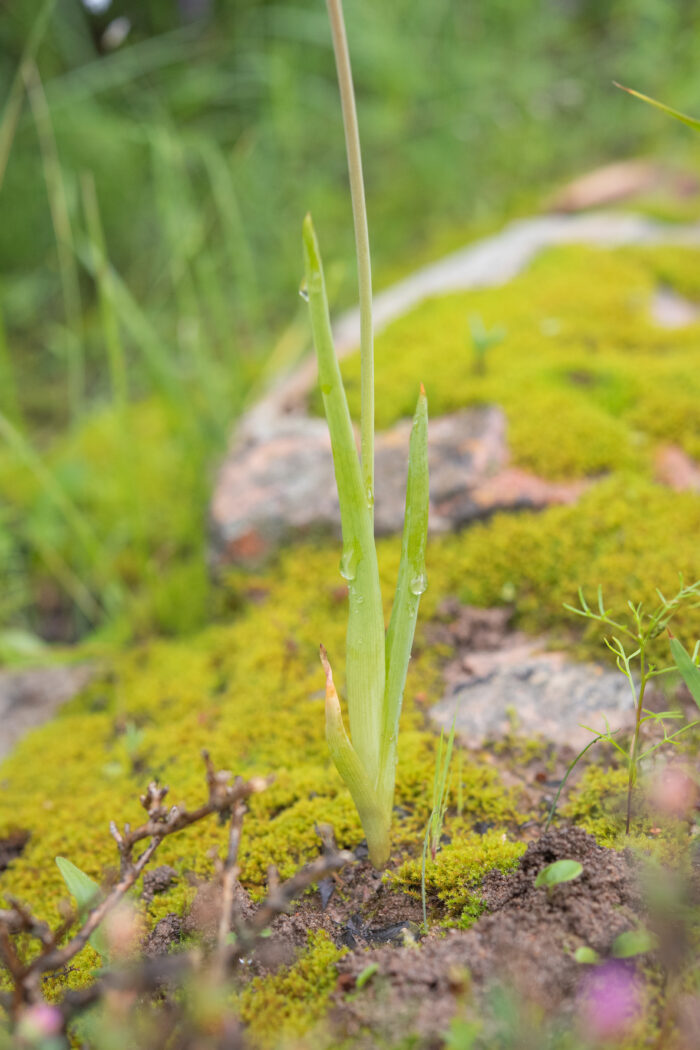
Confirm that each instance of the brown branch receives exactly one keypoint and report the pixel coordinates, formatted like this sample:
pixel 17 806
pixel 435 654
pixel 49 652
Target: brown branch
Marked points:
pixel 149 975
pixel 229 879
pixel 281 894
pixel 224 798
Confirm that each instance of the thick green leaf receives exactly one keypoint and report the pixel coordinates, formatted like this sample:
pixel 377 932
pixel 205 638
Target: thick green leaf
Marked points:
pixel 675 113
pixel 374 817
pixel 559 871
pixel 690 672
pixel 86 891
pixel 365 657
pixel 411 583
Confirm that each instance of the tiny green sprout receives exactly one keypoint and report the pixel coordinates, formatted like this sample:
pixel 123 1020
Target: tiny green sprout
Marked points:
pixel 86 892
pixel 482 341
pixel 433 832
pixel 633 942
pixel 376 660
pixel 586 955
pixel 558 871
pixel 367 974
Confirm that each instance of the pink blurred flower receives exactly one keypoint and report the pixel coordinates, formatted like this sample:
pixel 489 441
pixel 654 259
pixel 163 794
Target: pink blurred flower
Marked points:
pixel 40 1022
pixel 674 791
pixel 611 1000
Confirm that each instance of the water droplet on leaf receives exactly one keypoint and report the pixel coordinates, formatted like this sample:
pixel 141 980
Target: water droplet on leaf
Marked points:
pixel 348 562
pixel 419 583
pixel 303 290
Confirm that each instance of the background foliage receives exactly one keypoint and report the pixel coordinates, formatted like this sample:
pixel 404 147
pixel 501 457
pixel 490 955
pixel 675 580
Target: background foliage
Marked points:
pixel 149 244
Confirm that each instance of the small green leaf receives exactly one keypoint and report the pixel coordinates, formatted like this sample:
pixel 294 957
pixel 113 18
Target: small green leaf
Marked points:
pixel 366 975
pixel 81 886
pixel 690 672
pixel 559 871
pixel 586 955
pixel 668 110
pixel 633 942
pixel 86 891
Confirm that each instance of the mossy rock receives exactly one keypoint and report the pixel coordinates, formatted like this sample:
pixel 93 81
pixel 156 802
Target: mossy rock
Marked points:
pixel 590 394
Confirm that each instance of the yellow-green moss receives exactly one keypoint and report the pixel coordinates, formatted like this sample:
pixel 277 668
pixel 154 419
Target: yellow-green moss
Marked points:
pixel 289 1003
pixel 457 871
pixel 251 690
pixel 598 802
pixel 587 380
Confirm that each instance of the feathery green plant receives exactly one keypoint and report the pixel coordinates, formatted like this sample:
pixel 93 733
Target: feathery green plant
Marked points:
pixel 376 662
pixel 632 657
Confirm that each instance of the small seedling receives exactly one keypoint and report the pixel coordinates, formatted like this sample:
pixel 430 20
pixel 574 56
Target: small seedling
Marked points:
pixel 587 956
pixel 376 661
pixel 632 658
pixel 557 872
pixel 366 975
pixel 86 892
pixel 633 942
pixel 433 832
pixel 482 341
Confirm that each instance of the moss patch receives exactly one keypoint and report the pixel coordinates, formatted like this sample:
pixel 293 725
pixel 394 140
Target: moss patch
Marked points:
pixel 456 873
pixel 587 380
pixel 289 1003
pixel 251 690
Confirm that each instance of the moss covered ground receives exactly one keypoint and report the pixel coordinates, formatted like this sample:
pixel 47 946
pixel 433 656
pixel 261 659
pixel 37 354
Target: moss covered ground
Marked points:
pixel 590 386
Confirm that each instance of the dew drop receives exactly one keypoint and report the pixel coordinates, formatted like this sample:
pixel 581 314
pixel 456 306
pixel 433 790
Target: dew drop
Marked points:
pixel 303 290
pixel 348 562
pixel 419 583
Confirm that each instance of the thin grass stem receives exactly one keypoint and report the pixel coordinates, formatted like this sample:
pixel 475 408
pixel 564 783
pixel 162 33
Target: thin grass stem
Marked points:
pixel 364 266
pixel 63 234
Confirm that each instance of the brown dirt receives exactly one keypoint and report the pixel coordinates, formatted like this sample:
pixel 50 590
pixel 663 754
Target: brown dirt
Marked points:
pixel 527 942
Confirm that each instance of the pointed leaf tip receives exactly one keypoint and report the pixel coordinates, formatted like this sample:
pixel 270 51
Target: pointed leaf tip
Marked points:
pixel 422 390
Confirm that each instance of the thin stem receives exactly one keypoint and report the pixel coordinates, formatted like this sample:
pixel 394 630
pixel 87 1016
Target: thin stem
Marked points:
pixel 364 269
pixel 635 739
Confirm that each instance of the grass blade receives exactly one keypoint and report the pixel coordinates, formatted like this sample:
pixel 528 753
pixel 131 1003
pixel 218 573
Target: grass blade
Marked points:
pixel 410 585
pixel 690 672
pixel 365 637
pixel 668 110
pixel 13 106
pixel 116 355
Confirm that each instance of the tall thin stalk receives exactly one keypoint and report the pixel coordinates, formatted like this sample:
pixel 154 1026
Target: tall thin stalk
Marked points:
pixel 63 233
pixel 364 266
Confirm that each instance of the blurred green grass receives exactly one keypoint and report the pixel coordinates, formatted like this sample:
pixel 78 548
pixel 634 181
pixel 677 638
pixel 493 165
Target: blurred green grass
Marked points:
pixel 150 249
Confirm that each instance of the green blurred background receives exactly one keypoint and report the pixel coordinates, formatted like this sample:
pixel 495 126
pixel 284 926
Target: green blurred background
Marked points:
pixel 156 160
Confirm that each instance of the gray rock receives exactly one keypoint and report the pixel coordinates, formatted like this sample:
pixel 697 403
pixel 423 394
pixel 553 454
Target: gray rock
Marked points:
pixel 538 693
pixel 282 489
pixel 29 698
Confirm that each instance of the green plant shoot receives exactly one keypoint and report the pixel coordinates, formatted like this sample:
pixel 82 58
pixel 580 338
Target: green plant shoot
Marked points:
pixel 557 872
pixel 631 648
pixel 376 662
pixel 86 892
